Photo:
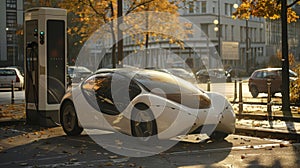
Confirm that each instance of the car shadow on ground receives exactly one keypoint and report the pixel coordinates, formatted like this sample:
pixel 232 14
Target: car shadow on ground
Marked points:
pixel 49 147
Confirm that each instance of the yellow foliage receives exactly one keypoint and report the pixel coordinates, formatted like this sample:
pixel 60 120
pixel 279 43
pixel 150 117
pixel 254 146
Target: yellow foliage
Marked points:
pixel 295 87
pixel 291 57
pixel 93 14
pixel 263 8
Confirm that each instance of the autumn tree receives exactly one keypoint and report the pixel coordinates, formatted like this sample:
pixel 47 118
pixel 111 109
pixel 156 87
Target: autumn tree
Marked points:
pixel 92 14
pixel 269 9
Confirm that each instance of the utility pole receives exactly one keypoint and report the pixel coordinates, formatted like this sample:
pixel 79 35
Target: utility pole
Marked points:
pixel 285 90
pixel 120 33
pixel 219 28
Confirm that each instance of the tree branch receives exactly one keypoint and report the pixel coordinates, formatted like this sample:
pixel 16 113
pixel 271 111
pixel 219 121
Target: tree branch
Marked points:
pixel 133 7
pixel 292 4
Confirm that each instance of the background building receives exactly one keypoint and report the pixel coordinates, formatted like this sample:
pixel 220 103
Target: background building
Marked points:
pixel 214 17
pixel 11 41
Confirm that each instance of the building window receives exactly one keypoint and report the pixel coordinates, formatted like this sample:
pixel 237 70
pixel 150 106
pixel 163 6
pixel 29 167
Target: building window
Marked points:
pixel 214 7
pixel 231 9
pixel 191 7
pixel 241 34
pixel 11 4
pixel 226 9
pixel 260 35
pixel 232 33
pixel 203 7
pixel 204 28
pixel 197 7
pixel 11 20
pixel 226 32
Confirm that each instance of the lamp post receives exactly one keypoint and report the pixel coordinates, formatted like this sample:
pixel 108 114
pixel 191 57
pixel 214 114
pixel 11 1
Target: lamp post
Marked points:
pixel 217 23
pixel 247 46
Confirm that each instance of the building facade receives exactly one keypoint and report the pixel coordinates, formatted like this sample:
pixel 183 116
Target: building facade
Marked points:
pixel 214 17
pixel 11 48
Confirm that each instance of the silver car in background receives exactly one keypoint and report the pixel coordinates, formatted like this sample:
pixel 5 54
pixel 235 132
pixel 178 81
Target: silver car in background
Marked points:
pixel 9 75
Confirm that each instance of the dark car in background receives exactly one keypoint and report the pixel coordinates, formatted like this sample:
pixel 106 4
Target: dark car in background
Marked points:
pixel 213 75
pixel 259 78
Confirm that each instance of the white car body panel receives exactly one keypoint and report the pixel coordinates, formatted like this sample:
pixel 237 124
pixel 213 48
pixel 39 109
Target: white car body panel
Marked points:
pixel 172 119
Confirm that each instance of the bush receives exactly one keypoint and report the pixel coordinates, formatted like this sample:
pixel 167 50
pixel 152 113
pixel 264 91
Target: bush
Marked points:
pixel 295 87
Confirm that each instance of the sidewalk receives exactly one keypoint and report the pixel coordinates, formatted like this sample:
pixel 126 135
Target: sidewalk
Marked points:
pixel 253 121
pixel 12 112
pixel 256 121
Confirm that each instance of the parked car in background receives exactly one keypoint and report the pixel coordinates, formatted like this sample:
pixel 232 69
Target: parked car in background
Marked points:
pixel 19 68
pixel 144 103
pixel 7 75
pixel 258 80
pixel 179 72
pixel 78 73
pixel 182 73
pixel 214 75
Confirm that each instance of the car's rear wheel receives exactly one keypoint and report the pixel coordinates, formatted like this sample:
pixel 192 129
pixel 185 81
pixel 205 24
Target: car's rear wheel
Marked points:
pixel 69 120
pixel 143 123
pixel 254 91
pixel 218 136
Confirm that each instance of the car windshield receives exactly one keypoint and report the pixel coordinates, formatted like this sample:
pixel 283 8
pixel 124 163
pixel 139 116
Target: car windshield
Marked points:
pixel 169 84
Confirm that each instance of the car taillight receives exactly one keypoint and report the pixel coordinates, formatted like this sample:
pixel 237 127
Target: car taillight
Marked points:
pixel 17 78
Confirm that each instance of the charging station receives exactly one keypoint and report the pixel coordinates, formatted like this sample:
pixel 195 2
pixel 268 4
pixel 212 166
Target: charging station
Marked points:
pixel 45 41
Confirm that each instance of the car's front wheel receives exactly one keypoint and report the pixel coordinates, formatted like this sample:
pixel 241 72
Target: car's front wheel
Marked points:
pixel 69 120
pixel 254 91
pixel 143 123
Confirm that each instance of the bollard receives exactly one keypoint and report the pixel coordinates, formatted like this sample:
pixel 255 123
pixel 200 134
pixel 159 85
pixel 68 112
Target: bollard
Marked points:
pixel 235 90
pixel 12 92
pixel 269 104
pixel 208 85
pixel 240 98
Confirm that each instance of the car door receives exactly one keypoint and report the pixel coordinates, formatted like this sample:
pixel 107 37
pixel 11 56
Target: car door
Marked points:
pixel 276 80
pixel 260 81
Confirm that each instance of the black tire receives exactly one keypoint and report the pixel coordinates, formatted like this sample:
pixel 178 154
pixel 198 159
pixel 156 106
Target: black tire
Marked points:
pixel 69 120
pixel 218 136
pixel 143 123
pixel 254 91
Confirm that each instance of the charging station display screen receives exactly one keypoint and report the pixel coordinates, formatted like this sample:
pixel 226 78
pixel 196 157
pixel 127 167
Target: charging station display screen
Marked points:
pixel 56 60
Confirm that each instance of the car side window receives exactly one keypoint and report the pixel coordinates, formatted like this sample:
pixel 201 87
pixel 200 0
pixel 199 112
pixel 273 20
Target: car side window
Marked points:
pixel 259 74
pixel 271 74
pixel 109 97
pixel 97 91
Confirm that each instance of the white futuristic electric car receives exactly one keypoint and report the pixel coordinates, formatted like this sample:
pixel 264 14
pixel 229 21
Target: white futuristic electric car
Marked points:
pixel 143 103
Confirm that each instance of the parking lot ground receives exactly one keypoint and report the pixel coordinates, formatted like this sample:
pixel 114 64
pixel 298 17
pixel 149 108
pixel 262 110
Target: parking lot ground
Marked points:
pixel 22 145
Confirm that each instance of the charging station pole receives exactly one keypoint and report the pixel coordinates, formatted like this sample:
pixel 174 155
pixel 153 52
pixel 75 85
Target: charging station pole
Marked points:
pixel 45 64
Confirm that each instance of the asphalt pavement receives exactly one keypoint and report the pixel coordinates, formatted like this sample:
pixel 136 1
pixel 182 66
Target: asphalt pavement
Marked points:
pixel 23 145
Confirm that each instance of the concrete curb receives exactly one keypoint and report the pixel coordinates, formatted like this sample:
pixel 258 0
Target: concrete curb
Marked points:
pixel 268 133
pixel 266 117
